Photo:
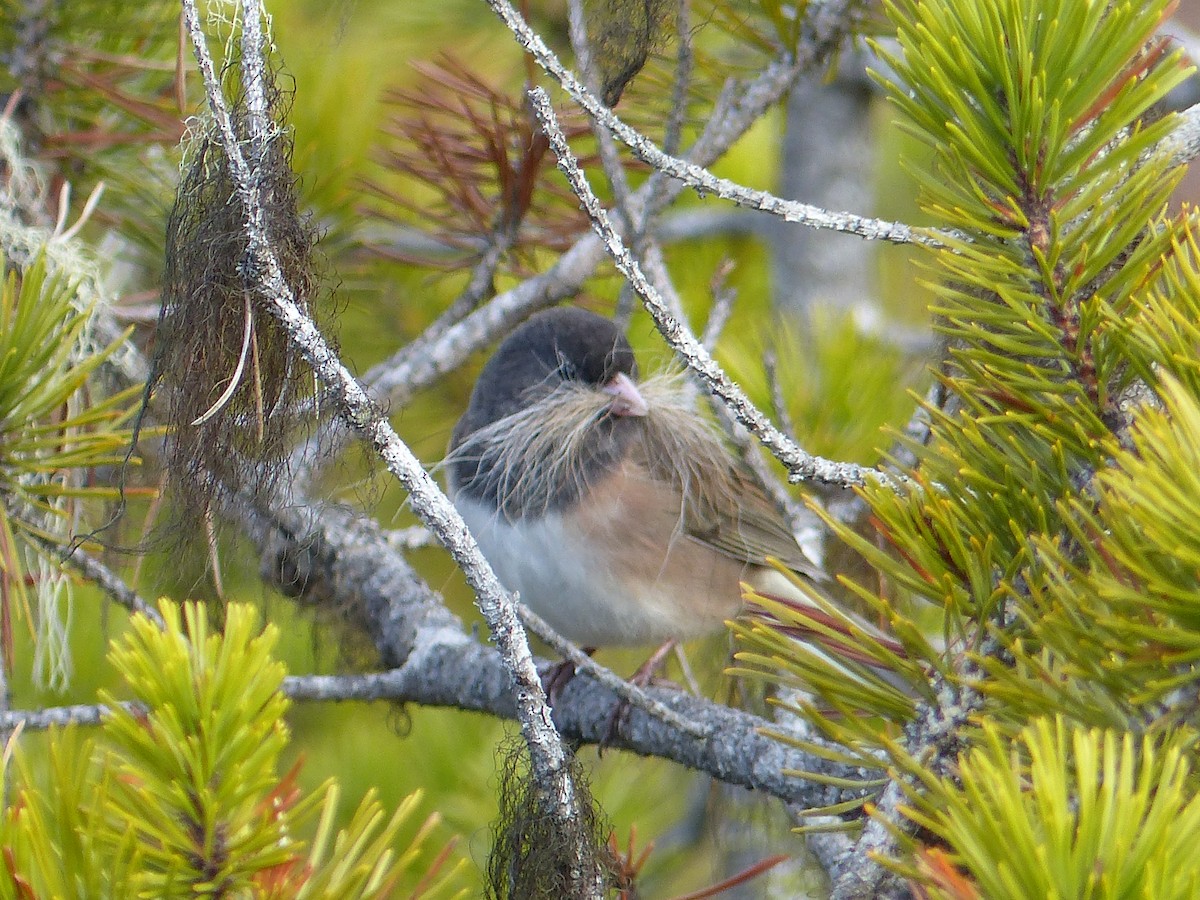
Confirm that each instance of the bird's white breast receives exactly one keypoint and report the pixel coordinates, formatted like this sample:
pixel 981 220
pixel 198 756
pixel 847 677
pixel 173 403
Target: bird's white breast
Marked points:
pixel 574 583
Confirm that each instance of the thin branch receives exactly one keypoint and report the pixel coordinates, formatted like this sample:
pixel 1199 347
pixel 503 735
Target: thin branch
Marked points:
pixel 60 716
pixel 684 62
pixel 471 677
pixel 610 162
pixel 1182 147
pixel 917 432
pixel 328 442
pixel 721 307
pixel 783 415
pixel 628 692
pixel 802 466
pixel 696 176
pixel 108 580
pixel 800 520
pixel 423 363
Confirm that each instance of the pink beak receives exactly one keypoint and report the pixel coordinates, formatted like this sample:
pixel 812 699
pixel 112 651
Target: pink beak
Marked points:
pixel 627 399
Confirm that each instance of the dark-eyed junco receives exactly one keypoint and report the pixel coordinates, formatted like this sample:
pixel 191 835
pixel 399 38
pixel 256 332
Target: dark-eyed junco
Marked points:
pixel 613 508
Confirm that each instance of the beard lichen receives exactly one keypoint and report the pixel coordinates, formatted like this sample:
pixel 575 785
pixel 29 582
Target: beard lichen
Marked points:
pixel 535 856
pixel 230 387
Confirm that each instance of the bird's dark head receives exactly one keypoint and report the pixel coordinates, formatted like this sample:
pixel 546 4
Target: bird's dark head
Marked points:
pixel 557 346
pixel 550 401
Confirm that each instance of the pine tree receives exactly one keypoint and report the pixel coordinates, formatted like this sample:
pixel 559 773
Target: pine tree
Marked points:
pixel 1022 725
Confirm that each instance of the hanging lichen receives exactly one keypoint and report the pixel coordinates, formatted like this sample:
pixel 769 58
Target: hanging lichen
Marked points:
pixel 228 384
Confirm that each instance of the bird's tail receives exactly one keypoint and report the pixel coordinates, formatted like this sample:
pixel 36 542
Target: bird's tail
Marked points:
pixel 830 637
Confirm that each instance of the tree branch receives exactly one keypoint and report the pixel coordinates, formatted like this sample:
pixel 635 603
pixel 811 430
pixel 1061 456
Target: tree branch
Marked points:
pixel 837 14
pixel 339 560
pixel 423 362
pixel 556 793
pixel 108 580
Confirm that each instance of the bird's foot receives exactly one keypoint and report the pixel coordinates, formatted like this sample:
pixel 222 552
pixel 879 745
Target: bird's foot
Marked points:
pixel 558 676
pixel 643 677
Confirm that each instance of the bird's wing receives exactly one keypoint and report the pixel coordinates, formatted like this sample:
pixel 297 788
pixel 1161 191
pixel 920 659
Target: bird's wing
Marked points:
pixel 721 504
pixel 746 526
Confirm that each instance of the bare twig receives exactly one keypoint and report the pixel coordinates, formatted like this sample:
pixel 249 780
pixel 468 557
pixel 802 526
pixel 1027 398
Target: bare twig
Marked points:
pixel 721 307
pixel 421 363
pixel 60 716
pixel 469 676
pixel 610 163
pixel 108 580
pixel 800 520
pixel 307 457
pixel 778 403
pixel 632 694
pixel 696 176
pixel 683 78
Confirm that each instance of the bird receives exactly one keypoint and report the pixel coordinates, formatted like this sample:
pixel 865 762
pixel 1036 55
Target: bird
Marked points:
pixel 608 503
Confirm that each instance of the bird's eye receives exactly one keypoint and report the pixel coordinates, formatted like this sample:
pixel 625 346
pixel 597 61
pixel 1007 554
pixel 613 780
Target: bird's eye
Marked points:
pixel 612 365
pixel 567 370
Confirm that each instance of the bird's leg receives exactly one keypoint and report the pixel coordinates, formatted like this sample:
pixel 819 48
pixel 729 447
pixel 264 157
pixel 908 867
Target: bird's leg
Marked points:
pixel 641 678
pixel 558 676
pixel 647 670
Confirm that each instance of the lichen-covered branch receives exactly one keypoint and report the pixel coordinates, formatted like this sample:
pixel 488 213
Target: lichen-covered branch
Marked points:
pixel 558 797
pixel 829 27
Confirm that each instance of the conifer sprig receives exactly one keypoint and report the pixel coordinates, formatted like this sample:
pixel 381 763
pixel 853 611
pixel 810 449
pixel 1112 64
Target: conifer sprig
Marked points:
pixel 181 794
pixel 1045 534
